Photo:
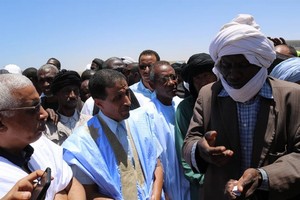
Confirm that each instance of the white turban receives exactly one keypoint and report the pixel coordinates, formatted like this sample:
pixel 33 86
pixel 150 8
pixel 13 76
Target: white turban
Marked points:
pixel 242 36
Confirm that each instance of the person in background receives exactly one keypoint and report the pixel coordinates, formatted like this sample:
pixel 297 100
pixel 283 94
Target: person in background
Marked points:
pixel 55 62
pixel 84 87
pixel 115 63
pixel 23 147
pixel 65 87
pixel 109 155
pixel 96 64
pixel 198 72
pixel 133 75
pixel 132 68
pixel 178 67
pixel 31 73
pixel 13 69
pixel 46 74
pixel 288 70
pixel 3 71
pixel 146 59
pixel 286 50
pixel 159 117
pixel 244 133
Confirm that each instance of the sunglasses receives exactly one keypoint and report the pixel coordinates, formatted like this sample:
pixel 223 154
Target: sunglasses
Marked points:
pixel 143 67
pixel 35 108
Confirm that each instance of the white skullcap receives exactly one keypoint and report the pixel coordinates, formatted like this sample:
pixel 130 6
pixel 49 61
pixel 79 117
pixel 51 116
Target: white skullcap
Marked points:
pixel 88 66
pixel 242 36
pixel 127 60
pixel 13 69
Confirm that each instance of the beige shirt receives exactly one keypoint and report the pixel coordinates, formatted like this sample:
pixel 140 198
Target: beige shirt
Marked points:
pixel 64 128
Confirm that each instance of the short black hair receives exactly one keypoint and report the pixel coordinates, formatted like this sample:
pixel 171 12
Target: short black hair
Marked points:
pixel 102 79
pixel 149 52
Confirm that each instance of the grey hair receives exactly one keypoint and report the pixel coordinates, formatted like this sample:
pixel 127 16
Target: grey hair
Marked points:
pixel 48 66
pixel 157 64
pixel 9 83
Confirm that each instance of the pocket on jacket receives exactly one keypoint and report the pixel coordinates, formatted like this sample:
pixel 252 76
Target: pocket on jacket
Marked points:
pixel 274 156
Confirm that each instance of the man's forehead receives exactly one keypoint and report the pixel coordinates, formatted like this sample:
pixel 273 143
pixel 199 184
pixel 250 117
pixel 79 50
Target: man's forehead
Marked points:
pixel 239 58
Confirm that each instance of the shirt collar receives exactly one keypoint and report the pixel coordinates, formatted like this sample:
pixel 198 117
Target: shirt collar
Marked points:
pixel 112 124
pixel 19 160
pixel 64 119
pixel 142 88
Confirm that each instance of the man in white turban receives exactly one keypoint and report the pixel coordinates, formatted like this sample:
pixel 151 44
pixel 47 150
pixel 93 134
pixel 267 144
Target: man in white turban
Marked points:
pixel 244 133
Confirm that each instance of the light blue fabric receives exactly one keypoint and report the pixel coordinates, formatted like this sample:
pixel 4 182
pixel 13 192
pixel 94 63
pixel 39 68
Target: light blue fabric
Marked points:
pixel 140 88
pixel 160 120
pixel 288 70
pixel 97 160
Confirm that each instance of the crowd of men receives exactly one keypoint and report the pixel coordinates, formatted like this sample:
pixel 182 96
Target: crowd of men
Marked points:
pixel 224 125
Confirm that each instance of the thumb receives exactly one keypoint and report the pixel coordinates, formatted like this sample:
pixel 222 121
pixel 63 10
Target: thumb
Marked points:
pixel 210 137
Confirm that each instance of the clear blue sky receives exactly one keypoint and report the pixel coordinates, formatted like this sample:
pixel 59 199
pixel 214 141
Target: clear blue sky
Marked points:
pixel 77 31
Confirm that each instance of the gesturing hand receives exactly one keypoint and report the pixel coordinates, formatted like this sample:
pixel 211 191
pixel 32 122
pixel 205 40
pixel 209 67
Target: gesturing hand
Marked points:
pixel 217 155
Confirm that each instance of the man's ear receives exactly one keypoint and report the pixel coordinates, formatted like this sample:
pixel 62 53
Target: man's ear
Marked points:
pixel 2 126
pixel 99 103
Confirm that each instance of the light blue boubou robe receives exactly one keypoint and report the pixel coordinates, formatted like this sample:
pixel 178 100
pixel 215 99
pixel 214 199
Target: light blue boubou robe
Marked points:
pixel 97 160
pixel 161 121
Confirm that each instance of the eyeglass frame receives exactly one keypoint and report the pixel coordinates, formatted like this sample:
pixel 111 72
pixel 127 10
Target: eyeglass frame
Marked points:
pixel 170 77
pixel 36 107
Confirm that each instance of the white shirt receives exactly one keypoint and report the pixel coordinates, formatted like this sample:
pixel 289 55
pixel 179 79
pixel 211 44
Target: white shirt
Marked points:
pixel 46 154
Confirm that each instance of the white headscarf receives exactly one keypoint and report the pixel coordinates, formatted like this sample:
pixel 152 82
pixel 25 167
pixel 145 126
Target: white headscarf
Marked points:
pixel 242 36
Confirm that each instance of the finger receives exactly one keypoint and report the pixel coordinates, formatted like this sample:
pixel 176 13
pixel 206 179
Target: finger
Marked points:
pixel 215 151
pixel 34 175
pixel 210 137
pixel 22 195
pixel 282 40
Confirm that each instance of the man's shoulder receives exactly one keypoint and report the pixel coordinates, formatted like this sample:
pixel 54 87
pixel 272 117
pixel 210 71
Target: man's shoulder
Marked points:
pixel 134 87
pixel 283 87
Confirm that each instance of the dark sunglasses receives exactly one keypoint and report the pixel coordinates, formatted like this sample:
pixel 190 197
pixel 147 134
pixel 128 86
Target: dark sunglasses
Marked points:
pixel 143 67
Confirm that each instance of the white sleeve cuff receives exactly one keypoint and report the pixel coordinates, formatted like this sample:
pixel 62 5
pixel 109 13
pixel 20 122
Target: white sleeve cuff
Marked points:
pixel 265 180
pixel 193 158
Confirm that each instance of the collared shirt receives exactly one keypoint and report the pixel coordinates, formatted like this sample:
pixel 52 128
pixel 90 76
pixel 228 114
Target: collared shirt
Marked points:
pixel 70 122
pixel 119 129
pixel 21 160
pixel 139 87
pixel 142 93
pixel 247 116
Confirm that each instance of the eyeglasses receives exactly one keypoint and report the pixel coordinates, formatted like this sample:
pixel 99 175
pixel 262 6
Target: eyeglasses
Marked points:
pixel 35 108
pixel 143 67
pixel 171 77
